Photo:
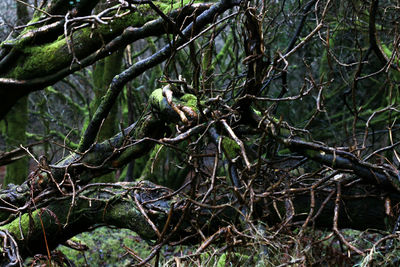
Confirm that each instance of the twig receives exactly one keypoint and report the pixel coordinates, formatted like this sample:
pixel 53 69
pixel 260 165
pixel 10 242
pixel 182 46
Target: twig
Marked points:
pixel 335 222
pixel 238 141
pixel 32 6
pixel 149 221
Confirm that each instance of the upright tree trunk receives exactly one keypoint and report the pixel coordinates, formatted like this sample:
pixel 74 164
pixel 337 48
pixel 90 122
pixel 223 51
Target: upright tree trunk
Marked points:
pixel 103 74
pixel 102 78
pixel 16 121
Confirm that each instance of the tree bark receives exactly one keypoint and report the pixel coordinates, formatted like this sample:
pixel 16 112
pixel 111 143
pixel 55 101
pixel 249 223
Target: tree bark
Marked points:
pixel 26 65
pixel 153 212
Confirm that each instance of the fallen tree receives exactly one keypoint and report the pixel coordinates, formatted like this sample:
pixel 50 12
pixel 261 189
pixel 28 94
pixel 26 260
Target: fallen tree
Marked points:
pixel 255 165
pixel 35 213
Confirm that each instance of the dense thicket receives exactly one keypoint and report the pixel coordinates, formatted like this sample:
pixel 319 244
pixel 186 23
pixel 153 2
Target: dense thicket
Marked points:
pixel 234 126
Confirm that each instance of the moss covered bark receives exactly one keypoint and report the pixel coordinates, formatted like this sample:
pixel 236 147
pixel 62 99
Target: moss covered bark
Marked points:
pixel 122 205
pixel 61 219
pixel 16 122
pixel 36 60
pixel 15 132
pixel 103 74
pixel 102 78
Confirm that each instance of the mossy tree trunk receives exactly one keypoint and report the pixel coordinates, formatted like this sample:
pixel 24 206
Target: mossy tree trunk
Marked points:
pixel 155 212
pixel 16 122
pixel 41 55
pixel 147 209
pixel 103 73
pixel 15 132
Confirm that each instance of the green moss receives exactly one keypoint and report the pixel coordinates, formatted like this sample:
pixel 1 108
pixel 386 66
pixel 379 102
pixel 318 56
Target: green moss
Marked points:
pixel 103 74
pixel 257 112
pixel 238 258
pixel 169 5
pixel 44 59
pixel 105 248
pixel 149 127
pixel 231 147
pixel 156 96
pixel 190 101
pixel 16 121
pixel 136 19
pixel 156 100
pixel 35 18
pixel 222 261
pixel 130 153
pixel 386 50
pixel 139 165
pixel 23 224
pixel 71 102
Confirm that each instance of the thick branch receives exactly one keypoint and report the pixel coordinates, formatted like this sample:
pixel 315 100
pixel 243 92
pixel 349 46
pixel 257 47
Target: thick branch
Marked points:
pixel 145 208
pixel 115 205
pixel 120 80
pixel 134 142
pixel 34 67
pixel 335 158
pixel 344 160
